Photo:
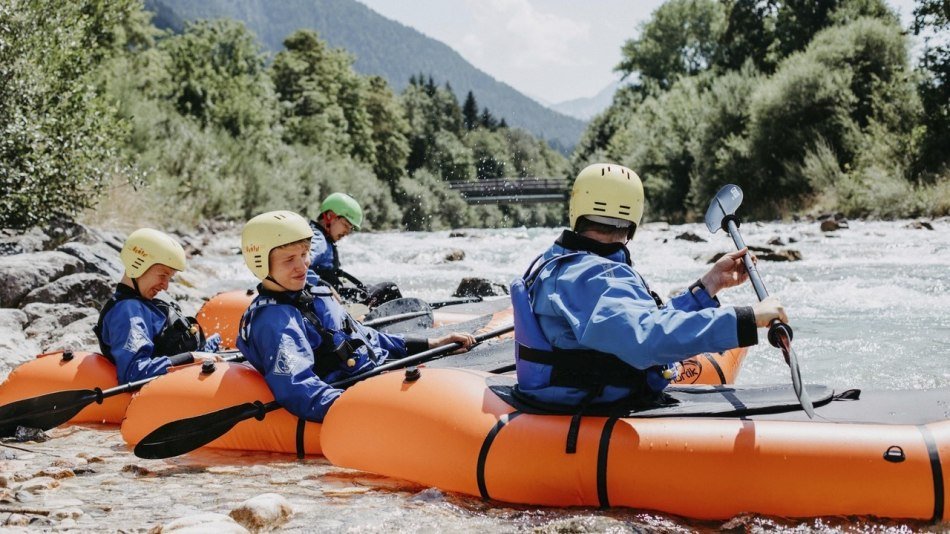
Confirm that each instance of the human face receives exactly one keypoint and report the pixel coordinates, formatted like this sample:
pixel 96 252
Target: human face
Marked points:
pixel 289 264
pixel 155 280
pixel 339 227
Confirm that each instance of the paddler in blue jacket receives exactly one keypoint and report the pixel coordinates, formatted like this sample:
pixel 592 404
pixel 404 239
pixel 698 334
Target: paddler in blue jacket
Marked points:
pixel 141 334
pixel 296 333
pixel 340 214
pixel 590 331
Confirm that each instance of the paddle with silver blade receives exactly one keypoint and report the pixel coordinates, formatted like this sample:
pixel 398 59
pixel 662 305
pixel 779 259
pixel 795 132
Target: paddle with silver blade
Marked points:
pixel 722 214
pixel 53 409
pixel 185 435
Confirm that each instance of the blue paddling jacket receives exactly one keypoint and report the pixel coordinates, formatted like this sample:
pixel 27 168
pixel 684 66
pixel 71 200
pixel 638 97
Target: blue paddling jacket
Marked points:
pixel 323 253
pixel 304 340
pixel 589 330
pixel 142 337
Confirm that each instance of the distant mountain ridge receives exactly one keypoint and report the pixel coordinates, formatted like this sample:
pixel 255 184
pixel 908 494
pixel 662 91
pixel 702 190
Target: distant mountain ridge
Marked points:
pixel 585 108
pixel 382 47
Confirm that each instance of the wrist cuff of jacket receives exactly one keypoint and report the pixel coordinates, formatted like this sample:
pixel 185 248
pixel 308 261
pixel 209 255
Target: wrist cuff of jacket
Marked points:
pixel 181 359
pixel 746 330
pixel 702 296
pixel 416 344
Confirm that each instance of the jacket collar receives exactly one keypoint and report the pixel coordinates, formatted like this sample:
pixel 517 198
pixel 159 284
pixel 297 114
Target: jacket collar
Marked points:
pixel 614 251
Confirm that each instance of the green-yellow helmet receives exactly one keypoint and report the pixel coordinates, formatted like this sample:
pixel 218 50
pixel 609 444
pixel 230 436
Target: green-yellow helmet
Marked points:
pixel 268 231
pixel 344 206
pixel 604 193
pixel 146 247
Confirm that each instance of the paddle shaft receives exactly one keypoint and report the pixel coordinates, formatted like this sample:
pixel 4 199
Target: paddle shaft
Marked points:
pixel 389 319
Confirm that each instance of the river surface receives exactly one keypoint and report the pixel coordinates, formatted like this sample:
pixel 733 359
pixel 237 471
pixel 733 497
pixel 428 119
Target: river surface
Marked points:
pixel 870 306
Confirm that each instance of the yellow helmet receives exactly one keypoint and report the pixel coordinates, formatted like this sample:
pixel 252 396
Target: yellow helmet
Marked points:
pixel 268 231
pixel 604 192
pixel 146 247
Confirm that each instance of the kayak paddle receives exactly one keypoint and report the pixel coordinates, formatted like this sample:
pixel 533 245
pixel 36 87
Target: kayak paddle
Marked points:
pixel 722 214
pixel 385 314
pixel 53 409
pixel 185 435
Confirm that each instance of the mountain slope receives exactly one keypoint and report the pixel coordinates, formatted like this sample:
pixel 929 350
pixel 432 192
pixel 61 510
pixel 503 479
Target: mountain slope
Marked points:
pixel 586 108
pixel 385 48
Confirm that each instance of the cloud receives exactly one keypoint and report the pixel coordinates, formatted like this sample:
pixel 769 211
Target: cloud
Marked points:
pixel 516 36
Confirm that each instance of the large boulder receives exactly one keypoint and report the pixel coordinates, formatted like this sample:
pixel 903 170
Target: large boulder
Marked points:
pixel 18 242
pixel 15 347
pixel 479 287
pixel 264 512
pixel 61 326
pixel 22 273
pixel 86 289
pixel 99 258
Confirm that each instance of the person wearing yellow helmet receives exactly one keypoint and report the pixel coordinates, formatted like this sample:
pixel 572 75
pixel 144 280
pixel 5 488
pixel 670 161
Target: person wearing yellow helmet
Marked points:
pixel 141 334
pixel 340 214
pixel 589 330
pixel 296 333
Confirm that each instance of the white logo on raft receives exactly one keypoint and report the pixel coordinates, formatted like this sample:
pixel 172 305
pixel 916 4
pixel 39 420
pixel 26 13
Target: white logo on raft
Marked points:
pixel 138 337
pixel 287 358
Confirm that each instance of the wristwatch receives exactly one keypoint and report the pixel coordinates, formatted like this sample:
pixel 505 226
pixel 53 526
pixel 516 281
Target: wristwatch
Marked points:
pixel 698 284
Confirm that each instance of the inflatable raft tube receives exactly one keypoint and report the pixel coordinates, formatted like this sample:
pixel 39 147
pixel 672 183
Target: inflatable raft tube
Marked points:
pixel 222 313
pixel 885 455
pixel 63 371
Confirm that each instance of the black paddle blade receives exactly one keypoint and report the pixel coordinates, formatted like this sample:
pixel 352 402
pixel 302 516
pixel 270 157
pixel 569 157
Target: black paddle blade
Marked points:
pixel 727 201
pixel 185 435
pixel 44 412
pixel 779 335
pixel 403 307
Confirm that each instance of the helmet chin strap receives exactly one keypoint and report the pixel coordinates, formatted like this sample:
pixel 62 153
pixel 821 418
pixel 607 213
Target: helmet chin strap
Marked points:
pixel 135 284
pixel 282 286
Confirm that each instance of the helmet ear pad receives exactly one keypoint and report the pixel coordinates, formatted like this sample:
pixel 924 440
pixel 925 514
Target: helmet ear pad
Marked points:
pixel 146 247
pixel 609 191
pixel 267 231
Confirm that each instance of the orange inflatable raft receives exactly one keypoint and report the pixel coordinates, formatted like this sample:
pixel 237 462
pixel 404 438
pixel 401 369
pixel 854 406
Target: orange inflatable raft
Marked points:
pixel 67 370
pixel 884 455
pixel 189 391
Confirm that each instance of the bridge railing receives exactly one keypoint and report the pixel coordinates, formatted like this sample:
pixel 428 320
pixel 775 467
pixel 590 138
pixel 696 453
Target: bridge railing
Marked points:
pixel 512 190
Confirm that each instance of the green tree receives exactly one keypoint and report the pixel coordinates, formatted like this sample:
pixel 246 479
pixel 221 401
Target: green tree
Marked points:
pixel 58 135
pixel 470 112
pixel 218 77
pixel 390 130
pixel 749 33
pixel 932 19
pixel 680 39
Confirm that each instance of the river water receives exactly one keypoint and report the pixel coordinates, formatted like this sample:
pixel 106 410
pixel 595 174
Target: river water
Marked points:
pixel 870 306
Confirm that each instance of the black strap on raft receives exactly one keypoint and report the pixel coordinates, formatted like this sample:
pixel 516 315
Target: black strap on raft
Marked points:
pixel 301 426
pixel 483 452
pixel 585 368
pixel 936 470
pixel 602 455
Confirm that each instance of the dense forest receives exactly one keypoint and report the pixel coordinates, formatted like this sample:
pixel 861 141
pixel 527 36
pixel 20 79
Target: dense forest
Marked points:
pixel 807 105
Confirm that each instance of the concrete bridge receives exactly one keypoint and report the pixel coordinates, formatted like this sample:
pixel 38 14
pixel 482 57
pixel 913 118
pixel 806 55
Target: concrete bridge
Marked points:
pixel 513 190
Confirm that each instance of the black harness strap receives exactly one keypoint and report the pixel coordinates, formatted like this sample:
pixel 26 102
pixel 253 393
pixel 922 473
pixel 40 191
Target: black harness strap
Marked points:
pixel 602 453
pixel 936 470
pixel 483 453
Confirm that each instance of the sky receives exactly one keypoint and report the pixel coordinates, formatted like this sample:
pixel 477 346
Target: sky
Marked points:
pixel 550 50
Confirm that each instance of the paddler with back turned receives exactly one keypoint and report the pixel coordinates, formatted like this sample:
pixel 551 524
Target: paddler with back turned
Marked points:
pixel 296 332
pixel 589 330
pixel 140 333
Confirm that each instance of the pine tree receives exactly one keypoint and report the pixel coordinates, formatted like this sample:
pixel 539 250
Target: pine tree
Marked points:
pixel 470 112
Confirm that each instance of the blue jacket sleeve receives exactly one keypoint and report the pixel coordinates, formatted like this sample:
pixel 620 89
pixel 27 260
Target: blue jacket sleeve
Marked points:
pixel 321 255
pixel 129 330
pixel 609 309
pixel 280 350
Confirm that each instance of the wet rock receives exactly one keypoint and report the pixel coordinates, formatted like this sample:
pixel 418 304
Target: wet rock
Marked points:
pixel 769 254
pixel 201 523
pixel 24 434
pixel 138 470
pixel 61 231
pixel 690 236
pixel 919 225
pixel 86 289
pixel 6 496
pixel 70 463
pixel 17 520
pixel 98 258
pixel 18 242
pixel 113 240
pixel 776 242
pixel 457 234
pixel 90 458
pixel 6 480
pixel 40 484
pixel 23 273
pixel 456 254
pixel 57 473
pixel 829 225
pixel 15 346
pixel 263 512
pixel 67 513
pixel 479 287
